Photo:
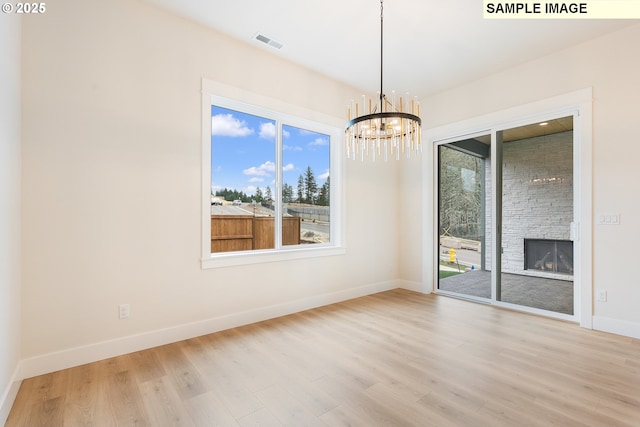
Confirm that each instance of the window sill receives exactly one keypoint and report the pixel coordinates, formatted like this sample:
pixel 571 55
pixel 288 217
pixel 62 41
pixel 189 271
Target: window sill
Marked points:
pixel 255 257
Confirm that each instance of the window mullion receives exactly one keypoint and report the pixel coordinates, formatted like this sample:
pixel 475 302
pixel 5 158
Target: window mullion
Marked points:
pixel 278 187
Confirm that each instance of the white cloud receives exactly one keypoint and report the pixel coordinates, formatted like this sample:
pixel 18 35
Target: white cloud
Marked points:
pixel 288 167
pixel 324 176
pixel 319 142
pixel 256 179
pixel 291 148
pixel 268 130
pixel 227 125
pixel 265 169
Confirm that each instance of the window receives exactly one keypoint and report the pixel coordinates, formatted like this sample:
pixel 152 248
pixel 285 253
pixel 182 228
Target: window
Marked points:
pixel 272 185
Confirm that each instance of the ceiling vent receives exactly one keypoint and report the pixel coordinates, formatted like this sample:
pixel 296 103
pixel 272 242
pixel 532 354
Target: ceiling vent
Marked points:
pixel 268 40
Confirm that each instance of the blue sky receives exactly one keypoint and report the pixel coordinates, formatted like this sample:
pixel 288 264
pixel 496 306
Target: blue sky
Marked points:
pixel 243 152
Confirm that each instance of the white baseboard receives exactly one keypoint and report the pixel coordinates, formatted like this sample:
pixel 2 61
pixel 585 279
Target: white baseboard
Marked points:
pixel 615 326
pixel 9 396
pixel 69 358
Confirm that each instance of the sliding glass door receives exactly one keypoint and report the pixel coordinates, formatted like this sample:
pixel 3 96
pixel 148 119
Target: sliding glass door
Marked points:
pixel 505 212
pixel 462 217
pixel 537 212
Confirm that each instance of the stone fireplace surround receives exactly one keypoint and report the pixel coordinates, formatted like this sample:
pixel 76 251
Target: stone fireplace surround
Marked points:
pixel 537 199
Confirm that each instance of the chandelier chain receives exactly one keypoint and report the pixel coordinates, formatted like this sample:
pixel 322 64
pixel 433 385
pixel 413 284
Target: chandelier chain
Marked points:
pixel 381 53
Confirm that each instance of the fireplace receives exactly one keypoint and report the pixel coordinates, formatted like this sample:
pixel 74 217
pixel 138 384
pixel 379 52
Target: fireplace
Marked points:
pixel 551 256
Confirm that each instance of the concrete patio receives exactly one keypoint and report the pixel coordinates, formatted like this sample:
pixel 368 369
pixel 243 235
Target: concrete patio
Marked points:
pixel 546 294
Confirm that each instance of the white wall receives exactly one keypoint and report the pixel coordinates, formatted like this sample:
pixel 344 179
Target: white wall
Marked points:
pixel 111 190
pixel 606 65
pixel 9 210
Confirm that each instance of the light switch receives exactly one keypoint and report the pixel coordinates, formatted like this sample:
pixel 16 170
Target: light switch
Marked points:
pixel 607 219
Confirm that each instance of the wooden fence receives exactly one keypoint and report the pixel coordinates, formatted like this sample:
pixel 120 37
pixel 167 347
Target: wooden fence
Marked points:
pixel 246 232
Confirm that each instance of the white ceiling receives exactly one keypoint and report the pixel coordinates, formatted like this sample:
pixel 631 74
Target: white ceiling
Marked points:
pixel 429 45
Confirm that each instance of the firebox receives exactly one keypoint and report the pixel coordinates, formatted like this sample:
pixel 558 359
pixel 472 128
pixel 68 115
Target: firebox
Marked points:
pixel 551 256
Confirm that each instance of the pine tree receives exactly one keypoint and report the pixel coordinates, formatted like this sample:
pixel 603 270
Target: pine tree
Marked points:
pixel 301 189
pixel 311 187
pixel 461 203
pixel 287 193
pixel 230 195
pixel 324 195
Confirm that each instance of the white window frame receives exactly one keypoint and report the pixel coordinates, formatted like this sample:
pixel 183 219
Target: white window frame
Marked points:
pixel 221 95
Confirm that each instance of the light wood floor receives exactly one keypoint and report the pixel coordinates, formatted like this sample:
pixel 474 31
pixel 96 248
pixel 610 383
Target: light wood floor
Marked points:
pixel 396 358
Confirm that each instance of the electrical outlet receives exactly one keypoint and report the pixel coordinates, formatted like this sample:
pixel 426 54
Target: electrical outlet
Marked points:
pixel 602 296
pixel 123 311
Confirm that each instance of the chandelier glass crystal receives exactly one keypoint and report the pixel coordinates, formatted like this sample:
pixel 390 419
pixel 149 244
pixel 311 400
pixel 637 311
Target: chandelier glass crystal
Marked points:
pixel 388 128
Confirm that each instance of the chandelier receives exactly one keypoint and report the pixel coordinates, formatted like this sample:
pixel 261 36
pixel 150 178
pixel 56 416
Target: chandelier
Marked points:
pixel 388 127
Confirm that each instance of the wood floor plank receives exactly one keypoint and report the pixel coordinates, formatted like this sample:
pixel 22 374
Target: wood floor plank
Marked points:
pixel 288 408
pixel 296 375
pixel 208 410
pixel 87 403
pixel 164 404
pixel 249 357
pixel 40 400
pixel 405 412
pixel 44 413
pixel 260 418
pixel 223 377
pixel 148 365
pixel 126 401
pixel 186 379
pixel 292 352
pixel 396 358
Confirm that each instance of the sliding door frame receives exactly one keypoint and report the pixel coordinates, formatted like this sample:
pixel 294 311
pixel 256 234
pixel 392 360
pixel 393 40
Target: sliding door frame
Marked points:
pixel 577 104
pixel 436 198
